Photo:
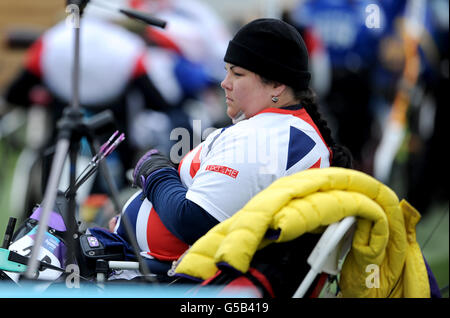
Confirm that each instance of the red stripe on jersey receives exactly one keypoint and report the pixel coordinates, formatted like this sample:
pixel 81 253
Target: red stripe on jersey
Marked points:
pixel 193 169
pixel 278 111
pixel 33 58
pixel 195 164
pixel 162 243
pixel 303 114
pixel 162 40
pixel 139 67
pixel 317 164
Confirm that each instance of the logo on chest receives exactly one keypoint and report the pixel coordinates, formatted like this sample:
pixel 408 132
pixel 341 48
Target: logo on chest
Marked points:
pixel 224 170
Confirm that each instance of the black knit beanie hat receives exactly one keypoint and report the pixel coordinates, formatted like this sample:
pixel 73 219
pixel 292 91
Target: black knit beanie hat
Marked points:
pixel 273 49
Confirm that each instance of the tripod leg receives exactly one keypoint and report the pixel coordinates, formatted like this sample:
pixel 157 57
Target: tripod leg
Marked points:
pixel 62 148
pixel 71 228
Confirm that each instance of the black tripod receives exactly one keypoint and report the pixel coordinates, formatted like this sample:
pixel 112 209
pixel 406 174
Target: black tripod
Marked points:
pixel 71 129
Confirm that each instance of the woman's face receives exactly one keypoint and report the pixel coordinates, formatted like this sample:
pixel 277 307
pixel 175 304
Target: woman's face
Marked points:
pixel 244 91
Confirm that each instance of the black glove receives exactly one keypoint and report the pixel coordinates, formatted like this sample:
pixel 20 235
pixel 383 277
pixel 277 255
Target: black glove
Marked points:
pixel 150 162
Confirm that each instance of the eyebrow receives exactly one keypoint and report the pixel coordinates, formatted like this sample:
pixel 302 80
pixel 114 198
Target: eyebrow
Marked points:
pixel 231 67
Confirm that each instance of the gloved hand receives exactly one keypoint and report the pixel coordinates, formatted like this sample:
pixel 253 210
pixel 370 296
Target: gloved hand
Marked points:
pixel 151 161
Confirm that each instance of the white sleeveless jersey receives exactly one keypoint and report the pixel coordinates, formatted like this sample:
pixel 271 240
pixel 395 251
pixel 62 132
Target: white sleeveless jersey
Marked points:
pixel 109 56
pixel 233 164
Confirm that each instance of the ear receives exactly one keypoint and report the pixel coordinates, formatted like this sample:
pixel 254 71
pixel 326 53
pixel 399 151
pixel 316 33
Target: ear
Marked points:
pixel 278 89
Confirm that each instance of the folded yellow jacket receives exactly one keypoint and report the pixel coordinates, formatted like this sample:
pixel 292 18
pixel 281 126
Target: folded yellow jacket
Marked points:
pixel 309 201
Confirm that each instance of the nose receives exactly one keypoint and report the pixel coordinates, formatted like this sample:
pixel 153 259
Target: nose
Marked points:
pixel 225 84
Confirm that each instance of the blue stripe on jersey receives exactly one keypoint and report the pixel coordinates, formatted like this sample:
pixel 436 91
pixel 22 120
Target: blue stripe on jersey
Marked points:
pixel 131 212
pixel 300 144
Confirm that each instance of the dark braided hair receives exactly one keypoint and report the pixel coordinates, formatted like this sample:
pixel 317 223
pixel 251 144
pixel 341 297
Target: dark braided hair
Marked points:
pixel 342 157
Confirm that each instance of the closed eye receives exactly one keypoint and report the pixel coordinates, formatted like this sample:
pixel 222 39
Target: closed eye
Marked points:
pixel 235 71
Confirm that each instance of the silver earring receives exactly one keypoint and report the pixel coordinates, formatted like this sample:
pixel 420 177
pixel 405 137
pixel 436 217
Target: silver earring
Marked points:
pixel 274 99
